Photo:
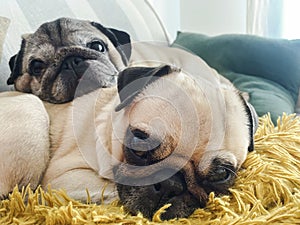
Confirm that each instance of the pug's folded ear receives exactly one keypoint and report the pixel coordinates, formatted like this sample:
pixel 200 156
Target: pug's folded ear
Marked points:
pixel 253 121
pixel 15 64
pixel 133 80
pixel 120 39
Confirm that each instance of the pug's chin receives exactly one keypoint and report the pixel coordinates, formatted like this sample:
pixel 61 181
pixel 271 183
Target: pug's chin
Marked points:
pixel 60 98
pixel 65 91
pixel 86 86
pixel 68 94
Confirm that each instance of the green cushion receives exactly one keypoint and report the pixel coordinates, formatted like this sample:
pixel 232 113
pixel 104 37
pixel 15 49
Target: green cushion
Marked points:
pixel 266 96
pixel 268 69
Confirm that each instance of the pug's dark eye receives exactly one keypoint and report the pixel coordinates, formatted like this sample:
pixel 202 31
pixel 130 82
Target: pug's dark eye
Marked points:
pixel 36 67
pixel 97 45
pixel 220 175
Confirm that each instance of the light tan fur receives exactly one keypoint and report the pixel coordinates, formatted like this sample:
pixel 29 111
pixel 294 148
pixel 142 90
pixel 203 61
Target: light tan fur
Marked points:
pixel 24 138
pixel 194 110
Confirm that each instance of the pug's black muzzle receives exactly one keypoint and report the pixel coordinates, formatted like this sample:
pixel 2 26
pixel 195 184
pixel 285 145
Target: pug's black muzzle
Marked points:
pixel 147 199
pixel 72 61
pixel 76 71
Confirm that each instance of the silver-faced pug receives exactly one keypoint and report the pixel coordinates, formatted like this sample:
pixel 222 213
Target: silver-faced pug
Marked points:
pixel 68 57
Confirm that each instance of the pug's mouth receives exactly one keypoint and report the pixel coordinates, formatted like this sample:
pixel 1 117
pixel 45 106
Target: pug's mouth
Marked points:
pixel 147 199
pixel 86 86
pixel 66 90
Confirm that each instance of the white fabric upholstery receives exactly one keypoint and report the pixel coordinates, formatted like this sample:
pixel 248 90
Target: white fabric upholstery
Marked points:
pixel 4 22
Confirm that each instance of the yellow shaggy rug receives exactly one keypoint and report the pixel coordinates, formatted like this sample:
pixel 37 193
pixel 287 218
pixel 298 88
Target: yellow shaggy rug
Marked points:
pixel 267 191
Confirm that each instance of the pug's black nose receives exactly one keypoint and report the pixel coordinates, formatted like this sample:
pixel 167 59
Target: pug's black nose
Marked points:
pixel 74 66
pixel 72 63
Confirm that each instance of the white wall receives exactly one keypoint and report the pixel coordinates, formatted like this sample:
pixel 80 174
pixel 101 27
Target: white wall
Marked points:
pixel 169 13
pixel 211 17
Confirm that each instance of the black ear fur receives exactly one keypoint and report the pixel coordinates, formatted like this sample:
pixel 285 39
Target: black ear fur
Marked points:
pixel 120 39
pixel 131 81
pixel 252 124
pixel 12 62
pixel 15 64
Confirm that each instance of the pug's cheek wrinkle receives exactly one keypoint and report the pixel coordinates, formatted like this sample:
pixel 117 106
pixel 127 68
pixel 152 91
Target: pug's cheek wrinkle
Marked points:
pixel 23 83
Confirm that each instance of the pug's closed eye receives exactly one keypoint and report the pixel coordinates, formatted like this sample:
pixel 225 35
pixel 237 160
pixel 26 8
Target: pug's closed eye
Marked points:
pixel 221 176
pixel 36 67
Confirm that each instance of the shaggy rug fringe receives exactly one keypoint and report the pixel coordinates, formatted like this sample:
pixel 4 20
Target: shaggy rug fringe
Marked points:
pixel 267 191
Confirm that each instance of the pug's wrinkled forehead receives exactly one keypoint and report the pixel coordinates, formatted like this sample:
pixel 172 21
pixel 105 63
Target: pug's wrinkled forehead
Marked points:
pixel 63 33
